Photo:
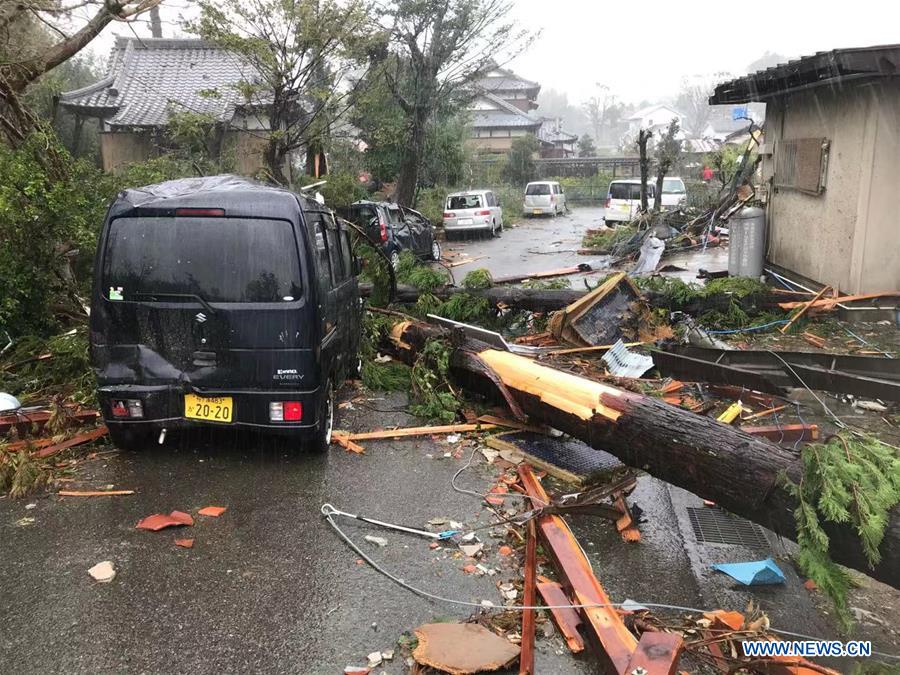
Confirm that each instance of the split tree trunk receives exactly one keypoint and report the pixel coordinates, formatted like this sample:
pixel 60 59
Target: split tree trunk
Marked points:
pixel 715 461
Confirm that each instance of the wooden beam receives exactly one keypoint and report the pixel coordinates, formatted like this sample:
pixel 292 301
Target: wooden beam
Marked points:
pixel 615 642
pixel 803 309
pixel 565 618
pixel 418 431
pixel 529 596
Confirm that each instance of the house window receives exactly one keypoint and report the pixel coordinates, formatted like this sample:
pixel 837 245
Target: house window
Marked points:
pixel 801 164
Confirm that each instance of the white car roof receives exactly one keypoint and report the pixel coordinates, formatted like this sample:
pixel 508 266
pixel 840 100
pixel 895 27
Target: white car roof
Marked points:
pixel 467 192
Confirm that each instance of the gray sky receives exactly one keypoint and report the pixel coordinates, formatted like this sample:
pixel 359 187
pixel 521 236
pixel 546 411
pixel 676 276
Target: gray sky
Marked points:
pixel 644 53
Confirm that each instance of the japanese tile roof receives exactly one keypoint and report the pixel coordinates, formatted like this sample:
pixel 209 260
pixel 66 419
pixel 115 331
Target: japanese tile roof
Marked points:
pixel 149 78
pixel 505 115
pixel 833 68
pixel 508 81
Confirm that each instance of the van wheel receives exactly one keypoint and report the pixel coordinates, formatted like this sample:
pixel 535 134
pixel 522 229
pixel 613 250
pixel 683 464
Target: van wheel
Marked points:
pixel 130 437
pixel 322 438
pixel 395 260
pixel 493 229
pixel 435 250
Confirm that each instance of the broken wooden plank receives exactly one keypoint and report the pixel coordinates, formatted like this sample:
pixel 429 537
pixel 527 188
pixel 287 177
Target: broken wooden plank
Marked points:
pixel 547 274
pixel 763 413
pixel 344 441
pixel 512 424
pixel 94 493
pixel 785 433
pixel 803 309
pixel 565 618
pixel 657 653
pixel 419 431
pixel 830 303
pixel 814 340
pixel 604 625
pixel 23 420
pixel 87 437
pixel 529 596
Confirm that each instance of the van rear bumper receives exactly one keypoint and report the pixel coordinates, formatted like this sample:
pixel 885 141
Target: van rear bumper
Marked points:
pixel 163 406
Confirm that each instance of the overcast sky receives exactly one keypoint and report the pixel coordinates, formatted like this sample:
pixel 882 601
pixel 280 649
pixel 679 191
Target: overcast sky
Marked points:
pixel 642 50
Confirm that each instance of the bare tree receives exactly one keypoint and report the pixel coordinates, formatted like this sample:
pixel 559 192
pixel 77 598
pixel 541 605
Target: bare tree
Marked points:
pixel 667 151
pixel 642 140
pixel 38 35
pixel 440 48
pixel 693 101
pixel 597 109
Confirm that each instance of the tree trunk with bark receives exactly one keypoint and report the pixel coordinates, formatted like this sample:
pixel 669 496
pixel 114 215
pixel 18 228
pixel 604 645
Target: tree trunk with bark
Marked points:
pixel 412 159
pixel 644 162
pixel 740 472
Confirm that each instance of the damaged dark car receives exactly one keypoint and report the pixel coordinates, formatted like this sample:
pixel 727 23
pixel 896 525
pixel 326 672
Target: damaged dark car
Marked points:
pixel 222 302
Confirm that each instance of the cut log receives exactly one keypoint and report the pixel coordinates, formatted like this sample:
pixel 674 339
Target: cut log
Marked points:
pixel 715 461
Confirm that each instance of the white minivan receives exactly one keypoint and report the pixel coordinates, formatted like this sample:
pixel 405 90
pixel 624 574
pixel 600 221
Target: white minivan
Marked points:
pixel 674 192
pixel 623 201
pixel 544 196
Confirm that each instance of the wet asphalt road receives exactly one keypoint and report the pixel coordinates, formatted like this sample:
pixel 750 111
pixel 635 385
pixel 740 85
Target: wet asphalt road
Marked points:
pixel 269 588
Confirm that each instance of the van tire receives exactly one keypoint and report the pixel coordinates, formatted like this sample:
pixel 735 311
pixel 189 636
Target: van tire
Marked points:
pixel 493 229
pixel 435 250
pixel 130 437
pixel 395 260
pixel 322 438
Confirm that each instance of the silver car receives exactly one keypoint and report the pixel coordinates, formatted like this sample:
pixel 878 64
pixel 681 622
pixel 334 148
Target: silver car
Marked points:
pixel 544 196
pixel 473 210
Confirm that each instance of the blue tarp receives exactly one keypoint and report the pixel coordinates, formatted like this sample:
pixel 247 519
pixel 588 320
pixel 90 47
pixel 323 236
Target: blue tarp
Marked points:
pixel 755 573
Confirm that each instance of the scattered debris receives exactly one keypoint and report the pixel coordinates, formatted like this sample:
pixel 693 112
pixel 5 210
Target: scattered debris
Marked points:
pixel 159 521
pixel 185 543
pixel 378 541
pixel 623 363
pixel 104 572
pixel 214 511
pixel 755 573
pixel 461 648
pixel 374 659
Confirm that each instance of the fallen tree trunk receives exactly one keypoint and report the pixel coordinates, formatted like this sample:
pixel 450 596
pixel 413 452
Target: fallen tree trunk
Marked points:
pixel 531 299
pixel 738 471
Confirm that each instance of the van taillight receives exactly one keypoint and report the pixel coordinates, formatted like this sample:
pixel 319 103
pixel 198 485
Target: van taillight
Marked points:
pixel 383 231
pixel 482 213
pixel 206 213
pixel 449 214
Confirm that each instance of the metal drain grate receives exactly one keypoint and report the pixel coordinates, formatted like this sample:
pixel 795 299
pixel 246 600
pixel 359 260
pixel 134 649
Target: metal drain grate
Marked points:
pixel 715 526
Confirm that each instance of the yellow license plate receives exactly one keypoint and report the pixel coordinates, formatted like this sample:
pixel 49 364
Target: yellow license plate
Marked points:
pixel 209 408
pixel 536 212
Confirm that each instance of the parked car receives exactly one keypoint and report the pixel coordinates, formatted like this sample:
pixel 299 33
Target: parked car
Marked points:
pixel 222 302
pixel 544 197
pixel 396 228
pixel 674 193
pixel 473 210
pixel 623 201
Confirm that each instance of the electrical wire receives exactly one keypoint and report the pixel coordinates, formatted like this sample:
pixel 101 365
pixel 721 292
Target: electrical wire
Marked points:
pixel 473 493
pixel 748 329
pixel 519 608
pixel 837 420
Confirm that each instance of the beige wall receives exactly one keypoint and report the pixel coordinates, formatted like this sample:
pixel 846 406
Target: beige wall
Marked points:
pixel 498 145
pixel 118 149
pixel 847 236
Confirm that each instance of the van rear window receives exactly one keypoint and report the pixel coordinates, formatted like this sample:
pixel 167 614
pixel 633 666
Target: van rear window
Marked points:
pixel 459 202
pixel 219 259
pixel 629 190
pixel 538 189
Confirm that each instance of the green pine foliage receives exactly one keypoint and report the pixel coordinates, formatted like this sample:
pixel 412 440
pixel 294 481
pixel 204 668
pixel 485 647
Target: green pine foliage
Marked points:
pixel 848 479
pixel 435 399
pixel 477 280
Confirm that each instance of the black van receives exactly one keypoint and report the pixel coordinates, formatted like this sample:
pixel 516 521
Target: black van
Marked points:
pixel 395 228
pixel 221 301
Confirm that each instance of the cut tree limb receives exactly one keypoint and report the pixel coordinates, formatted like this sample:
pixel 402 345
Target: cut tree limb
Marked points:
pixel 740 472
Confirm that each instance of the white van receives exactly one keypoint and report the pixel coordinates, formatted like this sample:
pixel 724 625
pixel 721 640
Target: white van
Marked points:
pixel 544 196
pixel 623 201
pixel 674 193
pixel 473 210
